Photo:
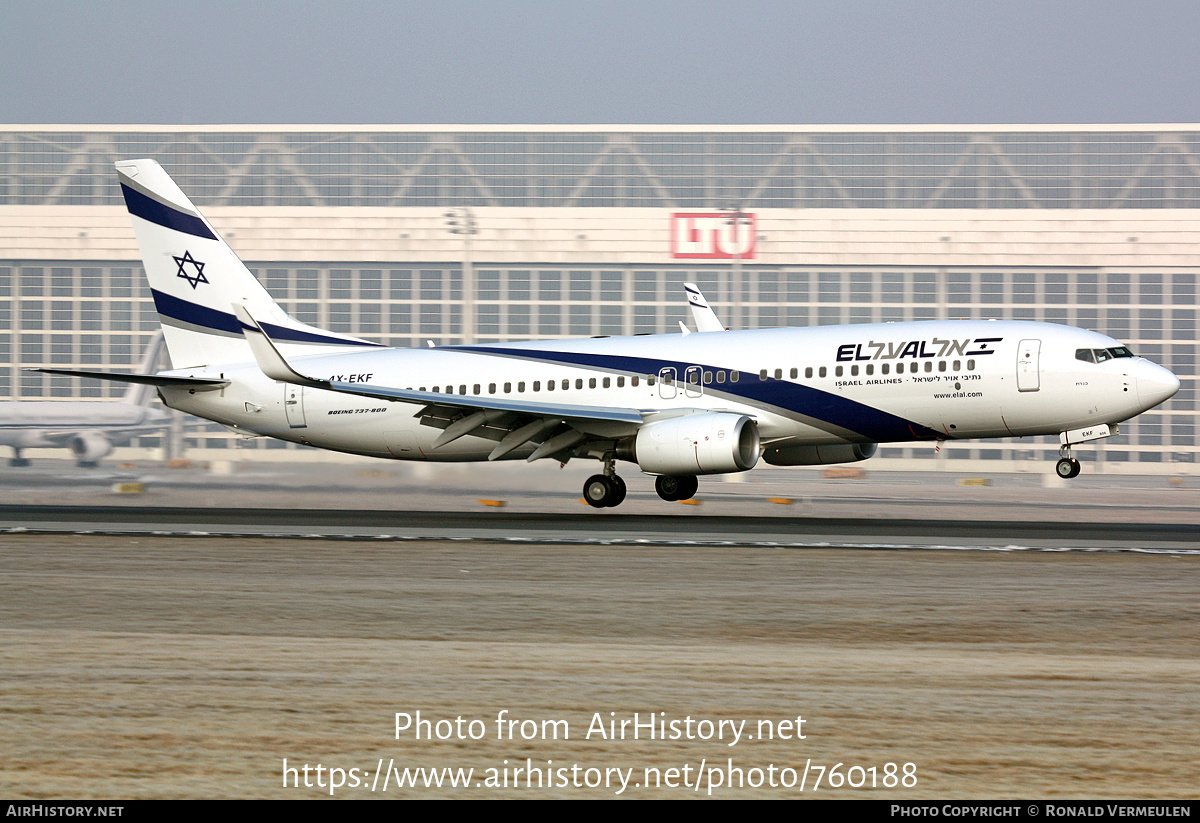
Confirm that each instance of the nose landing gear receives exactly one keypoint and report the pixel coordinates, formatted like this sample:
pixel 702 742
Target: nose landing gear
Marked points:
pixel 1067 466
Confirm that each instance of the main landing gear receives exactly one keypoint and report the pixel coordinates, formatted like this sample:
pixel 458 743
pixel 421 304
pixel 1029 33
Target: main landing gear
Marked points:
pixel 1067 466
pixel 604 490
pixel 672 487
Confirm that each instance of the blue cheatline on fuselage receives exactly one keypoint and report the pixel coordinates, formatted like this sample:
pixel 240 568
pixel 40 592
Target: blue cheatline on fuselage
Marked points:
pixel 792 399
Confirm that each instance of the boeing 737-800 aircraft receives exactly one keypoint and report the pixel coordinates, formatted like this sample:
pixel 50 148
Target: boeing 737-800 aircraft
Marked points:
pixel 677 405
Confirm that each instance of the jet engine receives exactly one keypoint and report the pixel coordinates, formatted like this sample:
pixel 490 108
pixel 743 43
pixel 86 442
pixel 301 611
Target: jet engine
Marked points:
pixel 709 443
pixel 818 455
pixel 88 447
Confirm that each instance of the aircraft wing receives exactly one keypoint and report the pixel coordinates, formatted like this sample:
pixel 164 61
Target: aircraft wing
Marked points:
pixel 558 427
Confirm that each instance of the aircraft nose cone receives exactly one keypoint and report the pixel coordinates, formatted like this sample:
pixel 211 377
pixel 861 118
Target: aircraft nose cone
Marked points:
pixel 1155 384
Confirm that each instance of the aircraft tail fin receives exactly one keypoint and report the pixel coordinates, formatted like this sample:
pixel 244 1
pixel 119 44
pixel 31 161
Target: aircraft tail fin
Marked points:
pixel 195 278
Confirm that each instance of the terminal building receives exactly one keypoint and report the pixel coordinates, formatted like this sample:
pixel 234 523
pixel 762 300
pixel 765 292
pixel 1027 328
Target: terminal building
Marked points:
pixel 409 234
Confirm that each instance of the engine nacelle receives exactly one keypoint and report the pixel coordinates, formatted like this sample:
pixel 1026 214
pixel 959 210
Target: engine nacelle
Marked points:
pixel 89 446
pixel 818 455
pixel 711 443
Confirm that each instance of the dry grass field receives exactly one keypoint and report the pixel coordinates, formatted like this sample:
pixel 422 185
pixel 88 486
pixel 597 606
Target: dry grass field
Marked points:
pixel 143 667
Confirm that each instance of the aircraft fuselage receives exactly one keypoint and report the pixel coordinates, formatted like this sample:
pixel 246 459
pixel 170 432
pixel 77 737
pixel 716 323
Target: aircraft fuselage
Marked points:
pixel 935 380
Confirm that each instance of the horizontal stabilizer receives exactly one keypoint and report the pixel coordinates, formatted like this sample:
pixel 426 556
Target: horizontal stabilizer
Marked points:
pixel 160 380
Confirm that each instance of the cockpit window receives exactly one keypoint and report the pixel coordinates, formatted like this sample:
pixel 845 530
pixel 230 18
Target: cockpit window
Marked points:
pixel 1100 355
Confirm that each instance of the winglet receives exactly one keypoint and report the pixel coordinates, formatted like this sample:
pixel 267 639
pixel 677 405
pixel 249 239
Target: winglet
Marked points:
pixel 703 315
pixel 269 360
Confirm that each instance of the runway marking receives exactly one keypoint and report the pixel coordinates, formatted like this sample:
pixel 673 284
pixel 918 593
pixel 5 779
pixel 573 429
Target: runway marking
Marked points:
pixel 567 540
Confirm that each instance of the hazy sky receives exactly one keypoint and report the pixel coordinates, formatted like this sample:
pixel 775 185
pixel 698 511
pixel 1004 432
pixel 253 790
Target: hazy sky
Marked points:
pixel 527 61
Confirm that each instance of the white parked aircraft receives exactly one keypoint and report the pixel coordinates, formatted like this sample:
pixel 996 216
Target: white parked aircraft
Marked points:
pixel 89 429
pixel 677 405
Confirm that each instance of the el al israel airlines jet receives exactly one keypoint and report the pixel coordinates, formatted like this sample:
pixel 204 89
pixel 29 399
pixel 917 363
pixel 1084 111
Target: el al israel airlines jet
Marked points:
pixel 677 405
pixel 89 429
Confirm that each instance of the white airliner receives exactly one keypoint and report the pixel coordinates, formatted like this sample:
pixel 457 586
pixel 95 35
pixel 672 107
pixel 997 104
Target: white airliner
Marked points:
pixel 89 429
pixel 677 405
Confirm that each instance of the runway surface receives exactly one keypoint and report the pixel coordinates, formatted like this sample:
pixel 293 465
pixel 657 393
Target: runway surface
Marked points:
pixel 152 666
pixel 1012 641
pixel 585 527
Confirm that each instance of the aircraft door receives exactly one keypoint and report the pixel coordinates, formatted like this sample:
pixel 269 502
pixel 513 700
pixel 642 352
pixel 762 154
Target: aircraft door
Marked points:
pixel 293 405
pixel 692 381
pixel 666 383
pixel 1028 368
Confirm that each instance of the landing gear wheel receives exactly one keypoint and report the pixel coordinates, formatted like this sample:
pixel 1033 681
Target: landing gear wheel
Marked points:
pixel 1067 468
pixel 672 488
pixel 604 492
pixel 597 491
pixel 618 492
